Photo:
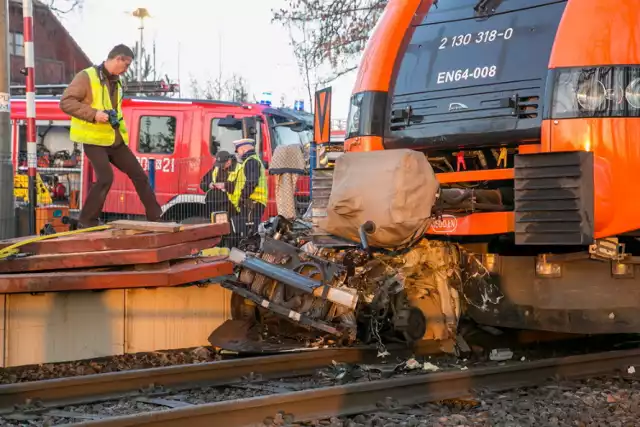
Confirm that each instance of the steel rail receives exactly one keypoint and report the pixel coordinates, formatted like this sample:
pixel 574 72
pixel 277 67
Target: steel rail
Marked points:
pixel 93 388
pixel 364 397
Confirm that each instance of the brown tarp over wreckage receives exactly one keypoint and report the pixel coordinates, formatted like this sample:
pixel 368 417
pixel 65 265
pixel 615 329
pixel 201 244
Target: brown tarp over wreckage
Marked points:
pixel 395 189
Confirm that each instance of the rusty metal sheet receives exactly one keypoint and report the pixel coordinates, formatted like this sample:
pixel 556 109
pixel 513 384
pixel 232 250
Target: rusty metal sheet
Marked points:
pixel 110 240
pixel 244 337
pixel 105 258
pixel 177 274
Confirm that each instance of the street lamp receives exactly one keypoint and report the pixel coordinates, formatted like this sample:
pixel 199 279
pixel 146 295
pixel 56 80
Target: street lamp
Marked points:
pixel 141 13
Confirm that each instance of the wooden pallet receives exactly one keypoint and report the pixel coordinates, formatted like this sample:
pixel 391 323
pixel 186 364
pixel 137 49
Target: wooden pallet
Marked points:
pixel 130 254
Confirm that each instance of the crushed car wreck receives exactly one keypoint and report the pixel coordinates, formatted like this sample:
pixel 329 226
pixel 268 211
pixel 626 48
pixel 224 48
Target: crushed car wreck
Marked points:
pixel 362 274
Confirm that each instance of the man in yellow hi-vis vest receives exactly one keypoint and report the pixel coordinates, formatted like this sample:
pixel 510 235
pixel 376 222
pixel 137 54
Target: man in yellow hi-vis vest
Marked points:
pixel 94 102
pixel 249 196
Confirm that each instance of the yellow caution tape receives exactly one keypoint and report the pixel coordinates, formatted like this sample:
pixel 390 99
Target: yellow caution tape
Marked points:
pixel 13 249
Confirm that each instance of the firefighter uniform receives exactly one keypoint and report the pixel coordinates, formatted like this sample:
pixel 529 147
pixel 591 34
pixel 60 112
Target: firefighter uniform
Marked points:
pixel 249 196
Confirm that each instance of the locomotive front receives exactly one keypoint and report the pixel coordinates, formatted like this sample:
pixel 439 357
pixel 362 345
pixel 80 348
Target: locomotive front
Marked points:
pixel 528 112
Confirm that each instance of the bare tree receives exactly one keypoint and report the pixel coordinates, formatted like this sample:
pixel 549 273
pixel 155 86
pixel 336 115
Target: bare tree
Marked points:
pixel 337 30
pixel 196 90
pixel 235 88
pixel 148 73
pixel 62 7
pixel 308 62
pixel 146 69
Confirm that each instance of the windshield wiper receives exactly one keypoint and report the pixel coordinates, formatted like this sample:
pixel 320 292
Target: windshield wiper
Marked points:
pixel 487 7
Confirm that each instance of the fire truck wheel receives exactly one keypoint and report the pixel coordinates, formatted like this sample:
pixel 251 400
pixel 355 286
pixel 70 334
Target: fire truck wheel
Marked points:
pixel 195 220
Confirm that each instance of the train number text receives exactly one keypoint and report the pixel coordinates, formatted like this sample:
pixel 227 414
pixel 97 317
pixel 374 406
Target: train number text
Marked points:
pixel 452 76
pixel 475 38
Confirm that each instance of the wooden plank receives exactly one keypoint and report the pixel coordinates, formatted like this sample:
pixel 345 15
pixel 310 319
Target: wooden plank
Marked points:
pixel 160 227
pixel 105 258
pixel 82 280
pixel 111 242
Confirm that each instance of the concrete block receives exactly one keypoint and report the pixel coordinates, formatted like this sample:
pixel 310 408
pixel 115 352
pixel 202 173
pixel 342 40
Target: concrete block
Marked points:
pixel 173 318
pixel 64 326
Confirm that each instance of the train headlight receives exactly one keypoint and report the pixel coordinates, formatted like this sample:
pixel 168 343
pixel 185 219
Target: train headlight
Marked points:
pixel 632 93
pixel 591 95
pixel 600 91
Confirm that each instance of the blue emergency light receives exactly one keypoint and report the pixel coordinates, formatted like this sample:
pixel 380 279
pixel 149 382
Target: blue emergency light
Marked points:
pixel 266 98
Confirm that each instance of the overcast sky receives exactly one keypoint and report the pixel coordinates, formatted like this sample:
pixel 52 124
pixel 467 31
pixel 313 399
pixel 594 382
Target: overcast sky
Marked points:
pixel 250 44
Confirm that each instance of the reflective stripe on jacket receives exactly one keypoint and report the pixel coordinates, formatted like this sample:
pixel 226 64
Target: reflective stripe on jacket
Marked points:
pixel 259 195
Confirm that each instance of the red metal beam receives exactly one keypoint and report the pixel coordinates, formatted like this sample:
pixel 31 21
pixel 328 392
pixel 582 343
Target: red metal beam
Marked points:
pixel 105 258
pixel 113 240
pixel 178 274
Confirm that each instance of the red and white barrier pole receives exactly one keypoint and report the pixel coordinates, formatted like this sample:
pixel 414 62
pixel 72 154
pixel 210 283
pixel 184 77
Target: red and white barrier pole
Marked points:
pixel 32 151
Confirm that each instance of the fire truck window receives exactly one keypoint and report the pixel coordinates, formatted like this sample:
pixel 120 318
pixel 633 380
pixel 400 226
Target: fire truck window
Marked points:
pixel 222 138
pixel 285 136
pixel 157 134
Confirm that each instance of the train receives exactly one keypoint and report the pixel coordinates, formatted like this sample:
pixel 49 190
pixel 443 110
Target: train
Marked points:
pixel 520 120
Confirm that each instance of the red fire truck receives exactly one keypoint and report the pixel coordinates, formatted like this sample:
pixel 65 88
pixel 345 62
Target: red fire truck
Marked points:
pixel 182 136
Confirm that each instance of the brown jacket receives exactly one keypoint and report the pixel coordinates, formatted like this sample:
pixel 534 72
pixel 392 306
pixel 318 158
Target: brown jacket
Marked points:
pixel 76 99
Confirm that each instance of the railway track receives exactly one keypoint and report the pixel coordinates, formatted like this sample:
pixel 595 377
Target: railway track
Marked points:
pixel 317 402
pixel 34 400
pixel 92 388
pixel 358 398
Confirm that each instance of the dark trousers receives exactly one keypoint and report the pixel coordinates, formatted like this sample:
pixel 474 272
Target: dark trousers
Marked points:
pixel 245 223
pixel 120 156
pixel 217 201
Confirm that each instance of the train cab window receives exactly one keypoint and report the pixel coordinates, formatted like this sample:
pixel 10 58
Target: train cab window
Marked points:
pixel 222 138
pixel 157 135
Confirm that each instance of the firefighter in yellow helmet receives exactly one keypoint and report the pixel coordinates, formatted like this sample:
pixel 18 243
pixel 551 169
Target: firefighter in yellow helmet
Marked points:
pixel 249 196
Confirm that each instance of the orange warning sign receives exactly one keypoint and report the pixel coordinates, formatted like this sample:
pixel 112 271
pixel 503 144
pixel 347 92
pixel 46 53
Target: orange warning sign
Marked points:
pixel 322 117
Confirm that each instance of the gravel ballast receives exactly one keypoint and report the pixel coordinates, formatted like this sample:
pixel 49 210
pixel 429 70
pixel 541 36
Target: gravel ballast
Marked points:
pixel 597 402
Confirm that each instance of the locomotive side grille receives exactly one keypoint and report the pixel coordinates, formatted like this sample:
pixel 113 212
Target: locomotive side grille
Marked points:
pixel 554 198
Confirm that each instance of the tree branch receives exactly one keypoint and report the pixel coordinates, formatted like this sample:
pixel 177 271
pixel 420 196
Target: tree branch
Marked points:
pixel 336 31
pixel 62 7
pixel 234 88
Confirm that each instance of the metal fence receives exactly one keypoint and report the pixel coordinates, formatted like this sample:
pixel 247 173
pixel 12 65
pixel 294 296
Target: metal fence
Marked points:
pixel 183 187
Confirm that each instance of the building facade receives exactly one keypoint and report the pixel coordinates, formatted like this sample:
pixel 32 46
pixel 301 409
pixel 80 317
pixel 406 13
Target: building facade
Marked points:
pixel 57 56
